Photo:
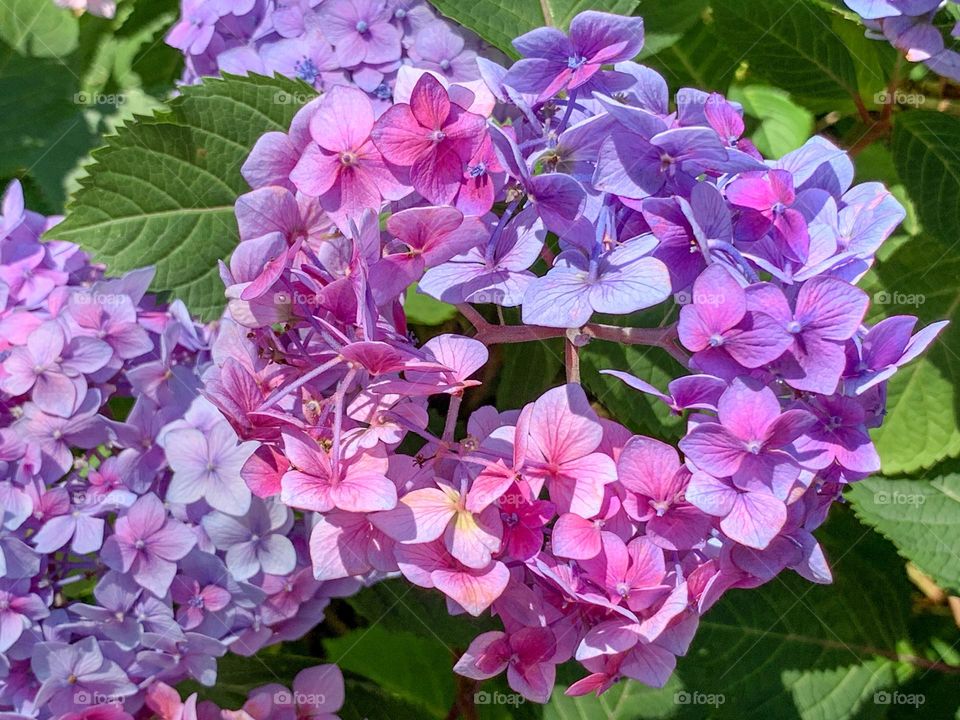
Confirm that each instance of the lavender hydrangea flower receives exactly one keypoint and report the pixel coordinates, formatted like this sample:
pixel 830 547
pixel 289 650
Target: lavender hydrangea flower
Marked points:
pixel 909 26
pixel 353 43
pixel 618 281
pixel 255 542
pixel 208 466
pixel 147 544
pixel 67 671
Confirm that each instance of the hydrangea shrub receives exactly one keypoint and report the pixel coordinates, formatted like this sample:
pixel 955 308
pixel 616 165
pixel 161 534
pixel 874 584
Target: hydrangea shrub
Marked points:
pixel 185 502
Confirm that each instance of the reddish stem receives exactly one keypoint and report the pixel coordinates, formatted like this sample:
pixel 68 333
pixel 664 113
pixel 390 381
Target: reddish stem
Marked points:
pixel 490 334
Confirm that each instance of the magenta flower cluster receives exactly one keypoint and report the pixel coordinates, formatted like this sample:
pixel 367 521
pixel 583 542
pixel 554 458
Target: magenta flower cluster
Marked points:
pixel 132 553
pixel 588 542
pixel 911 26
pixel 325 43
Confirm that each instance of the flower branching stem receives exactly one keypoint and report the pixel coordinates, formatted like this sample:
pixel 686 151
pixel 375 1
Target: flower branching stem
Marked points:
pixel 490 334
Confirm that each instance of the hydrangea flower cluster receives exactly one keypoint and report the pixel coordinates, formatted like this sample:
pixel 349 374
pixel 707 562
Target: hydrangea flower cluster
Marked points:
pixel 325 43
pixel 132 553
pixel 588 542
pixel 910 26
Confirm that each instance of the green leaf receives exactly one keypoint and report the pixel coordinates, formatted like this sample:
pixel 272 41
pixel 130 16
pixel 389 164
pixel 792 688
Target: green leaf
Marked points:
pixel 399 606
pixel 697 60
pixel 366 700
pixel 44 128
pixel 788 43
pixel 926 150
pixel 784 125
pixel 409 651
pixel 920 517
pixel 500 21
pixel 37 28
pixel 923 404
pixel 162 190
pixel 875 62
pixel 666 22
pixel 528 372
pixel 424 677
pixel 627 700
pixel 238 675
pixel 640 412
pixel 791 649
pixel 424 310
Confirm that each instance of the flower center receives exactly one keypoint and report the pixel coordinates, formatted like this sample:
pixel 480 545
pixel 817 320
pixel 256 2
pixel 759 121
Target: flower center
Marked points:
pixel 437 136
pixel 576 61
pixel 477 170
pixel 348 158
pixel 362 26
pixel 660 506
pixel 307 70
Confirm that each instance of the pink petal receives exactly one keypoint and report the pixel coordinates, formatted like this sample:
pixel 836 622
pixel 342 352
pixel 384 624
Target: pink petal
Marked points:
pixel 575 537
pixel 429 102
pixel 343 120
pixel 563 425
pixel 399 136
pixel 755 519
pixel 473 591
pixel 421 516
